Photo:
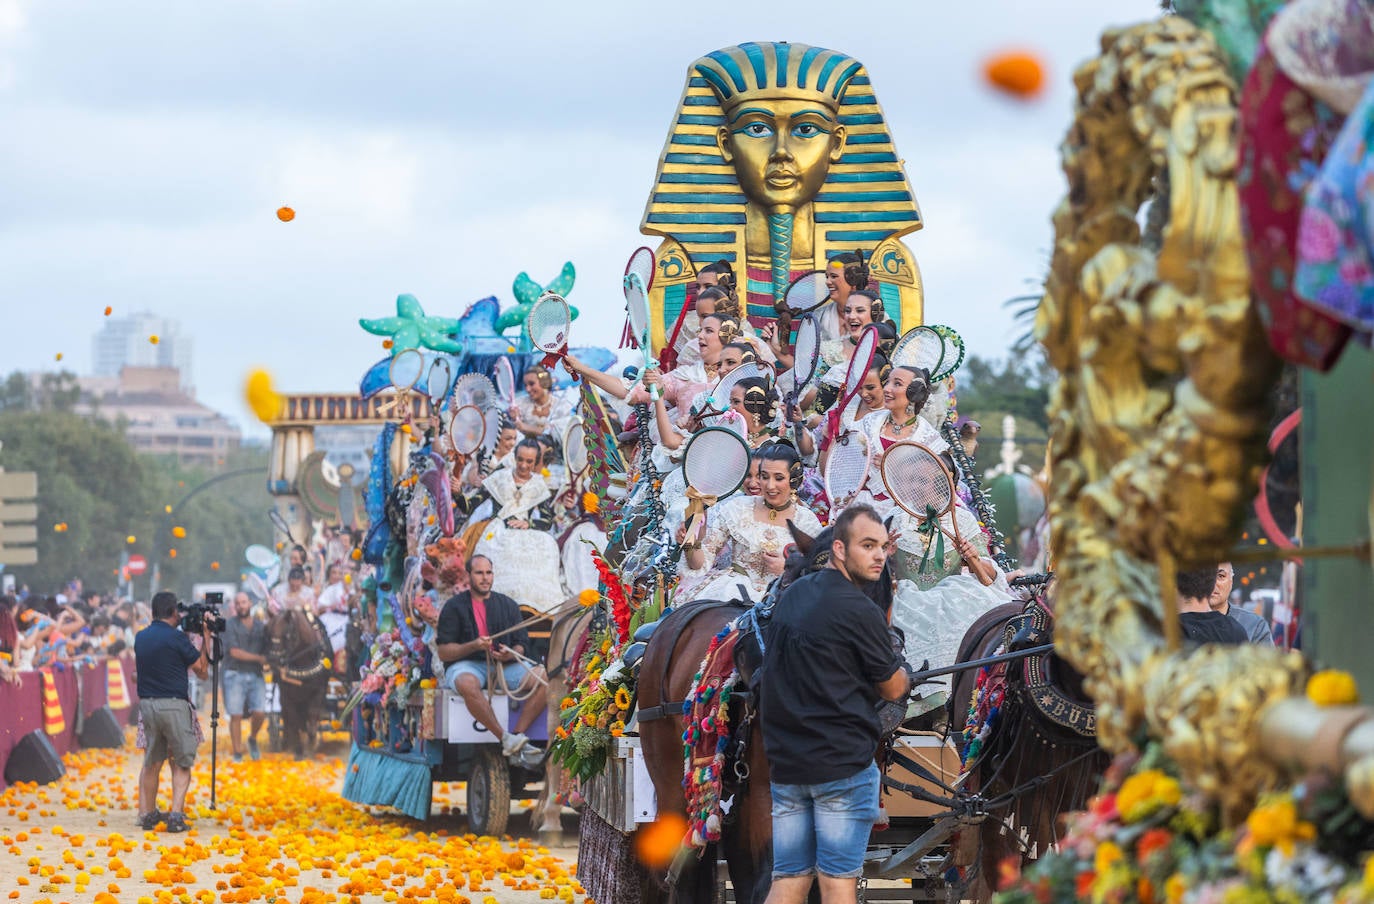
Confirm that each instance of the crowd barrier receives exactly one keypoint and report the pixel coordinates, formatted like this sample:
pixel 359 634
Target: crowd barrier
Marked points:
pixel 84 686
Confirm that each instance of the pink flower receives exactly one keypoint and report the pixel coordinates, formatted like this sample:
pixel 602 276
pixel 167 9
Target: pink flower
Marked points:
pixel 1354 271
pixel 1319 238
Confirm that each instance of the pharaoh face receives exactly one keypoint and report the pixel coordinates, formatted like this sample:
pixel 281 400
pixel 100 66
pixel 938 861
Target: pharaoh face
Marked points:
pixel 781 149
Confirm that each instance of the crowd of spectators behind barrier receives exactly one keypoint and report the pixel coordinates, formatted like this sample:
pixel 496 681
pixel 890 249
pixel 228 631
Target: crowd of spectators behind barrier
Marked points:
pixel 78 625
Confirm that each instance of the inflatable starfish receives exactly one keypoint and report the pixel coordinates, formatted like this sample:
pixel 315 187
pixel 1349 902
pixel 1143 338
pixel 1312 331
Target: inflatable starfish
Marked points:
pixel 527 292
pixel 411 328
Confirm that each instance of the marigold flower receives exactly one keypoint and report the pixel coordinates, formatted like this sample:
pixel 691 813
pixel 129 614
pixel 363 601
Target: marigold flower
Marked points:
pixel 1146 792
pixel 1275 823
pixel 1108 855
pixel 591 503
pixel 1332 687
pixel 589 597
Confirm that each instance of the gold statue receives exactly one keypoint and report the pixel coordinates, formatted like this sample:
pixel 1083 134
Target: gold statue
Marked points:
pixel 779 157
pixel 1159 422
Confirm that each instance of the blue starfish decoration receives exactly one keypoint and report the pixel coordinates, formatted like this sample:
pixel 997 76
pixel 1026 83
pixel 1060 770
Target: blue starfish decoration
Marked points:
pixel 410 328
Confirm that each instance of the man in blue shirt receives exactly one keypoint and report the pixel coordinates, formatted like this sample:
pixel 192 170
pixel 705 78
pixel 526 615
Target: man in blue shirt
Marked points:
pixel 162 654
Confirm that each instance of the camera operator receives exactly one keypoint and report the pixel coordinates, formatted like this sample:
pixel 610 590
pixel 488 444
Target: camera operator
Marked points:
pixel 162 654
pixel 245 690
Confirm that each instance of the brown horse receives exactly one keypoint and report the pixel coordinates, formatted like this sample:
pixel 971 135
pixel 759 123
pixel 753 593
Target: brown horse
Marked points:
pixel 546 817
pixel 1041 758
pixel 297 649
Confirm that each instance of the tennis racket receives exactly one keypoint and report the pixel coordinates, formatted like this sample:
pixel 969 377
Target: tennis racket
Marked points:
pixel 549 323
pixel 639 279
pixel 490 439
pixel 280 523
pixel 916 479
pixel 439 381
pixel 807 293
pixel 714 464
pixel 467 430
pixel 954 352
pixel 504 378
pixel 405 370
pixel 920 346
pixel 859 363
pixel 846 470
pixel 475 390
pixel 719 400
pixel 575 450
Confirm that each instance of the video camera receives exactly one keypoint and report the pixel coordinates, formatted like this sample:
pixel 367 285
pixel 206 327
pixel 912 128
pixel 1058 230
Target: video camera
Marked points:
pixel 197 616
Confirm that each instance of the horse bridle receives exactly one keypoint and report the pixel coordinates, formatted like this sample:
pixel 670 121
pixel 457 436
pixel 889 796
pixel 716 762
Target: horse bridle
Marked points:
pixel 278 645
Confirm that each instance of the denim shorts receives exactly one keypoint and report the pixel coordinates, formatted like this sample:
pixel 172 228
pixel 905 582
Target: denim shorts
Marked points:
pixel 244 693
pixel 515 673
pixel 824 828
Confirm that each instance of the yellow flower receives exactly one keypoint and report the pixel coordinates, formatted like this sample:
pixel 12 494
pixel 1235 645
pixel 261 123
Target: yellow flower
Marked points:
pixel 326 663
pixel 1174 887
pixel 567 703
pixel 1369 875
pixel 589 719
pixel 1275 823
pixel 1332 687
pixel 1108 854
pixel 543 472
pixel 589 597
pixel 622 698
pixel 1146 792
pixel 591 503
pixel 617 728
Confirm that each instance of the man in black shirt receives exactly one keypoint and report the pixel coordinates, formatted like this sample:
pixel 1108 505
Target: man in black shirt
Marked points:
pixel 162 654
pixel 828 660
pixel 464 640
pixel 1199 621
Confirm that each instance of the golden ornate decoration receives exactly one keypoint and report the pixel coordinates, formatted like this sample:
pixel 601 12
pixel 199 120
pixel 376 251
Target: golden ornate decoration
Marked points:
pixel 1159 418
pixel 778 157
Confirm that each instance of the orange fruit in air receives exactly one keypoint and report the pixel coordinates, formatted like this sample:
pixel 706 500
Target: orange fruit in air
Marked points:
pixel 1017 73
pixel 108 310
pixel 657 843
pixel 285 214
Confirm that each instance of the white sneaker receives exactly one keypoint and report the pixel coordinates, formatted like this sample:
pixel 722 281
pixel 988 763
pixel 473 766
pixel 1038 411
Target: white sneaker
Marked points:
pixel 511 742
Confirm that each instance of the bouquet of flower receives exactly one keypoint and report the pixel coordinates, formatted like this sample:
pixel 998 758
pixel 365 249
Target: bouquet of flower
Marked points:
pixel 596 709
pixel 393 669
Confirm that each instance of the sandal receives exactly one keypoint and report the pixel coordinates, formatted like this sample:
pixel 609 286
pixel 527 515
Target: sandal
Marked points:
pixel 148 821
pixel 176 822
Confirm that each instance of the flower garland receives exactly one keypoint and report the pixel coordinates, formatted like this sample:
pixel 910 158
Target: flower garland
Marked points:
pixel 1148 839
pixel 595 710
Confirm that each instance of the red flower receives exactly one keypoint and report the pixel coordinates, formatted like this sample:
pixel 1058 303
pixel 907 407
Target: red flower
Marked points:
pixel 1083 885
pixel 1104 806
pixel 1156 839
pixel 1008 872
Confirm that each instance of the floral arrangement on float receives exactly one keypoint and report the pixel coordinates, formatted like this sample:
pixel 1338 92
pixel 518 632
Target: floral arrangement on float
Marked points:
pixel 393 670
pixel 602 698
pixel 1148 839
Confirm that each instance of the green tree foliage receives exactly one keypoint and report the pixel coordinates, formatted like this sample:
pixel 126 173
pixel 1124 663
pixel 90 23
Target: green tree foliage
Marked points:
pixel 94 482
pixel 1018 385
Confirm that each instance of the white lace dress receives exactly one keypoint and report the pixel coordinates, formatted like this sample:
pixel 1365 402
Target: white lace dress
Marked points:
pixel 734 548
pixel 553 423
pixel 526 561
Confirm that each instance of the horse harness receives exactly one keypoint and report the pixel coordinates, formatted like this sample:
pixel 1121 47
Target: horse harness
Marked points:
pixel 300 676
pixel 675 626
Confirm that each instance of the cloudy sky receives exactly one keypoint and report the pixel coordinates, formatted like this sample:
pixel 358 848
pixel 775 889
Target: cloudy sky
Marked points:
pixel 440 148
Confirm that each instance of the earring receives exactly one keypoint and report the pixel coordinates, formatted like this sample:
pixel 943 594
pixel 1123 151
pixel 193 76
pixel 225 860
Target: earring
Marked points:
pixel 793 500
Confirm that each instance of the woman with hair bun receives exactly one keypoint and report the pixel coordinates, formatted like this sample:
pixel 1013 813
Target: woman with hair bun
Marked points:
pixel 539 409
pixel 748 533
pixel 516 540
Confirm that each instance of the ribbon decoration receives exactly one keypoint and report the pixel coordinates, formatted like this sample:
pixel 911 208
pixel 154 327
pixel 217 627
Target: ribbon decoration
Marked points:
pixel 551 360
pixel 697 504
pixel 930 528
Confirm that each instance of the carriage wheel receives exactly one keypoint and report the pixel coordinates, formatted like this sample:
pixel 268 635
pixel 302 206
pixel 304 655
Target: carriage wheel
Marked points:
pixel 489 792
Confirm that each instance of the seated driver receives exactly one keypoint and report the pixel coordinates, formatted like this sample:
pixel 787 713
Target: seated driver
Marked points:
pixel 467 648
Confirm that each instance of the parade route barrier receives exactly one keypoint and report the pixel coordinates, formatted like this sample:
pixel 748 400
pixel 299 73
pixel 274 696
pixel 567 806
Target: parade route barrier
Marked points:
pixel 84 687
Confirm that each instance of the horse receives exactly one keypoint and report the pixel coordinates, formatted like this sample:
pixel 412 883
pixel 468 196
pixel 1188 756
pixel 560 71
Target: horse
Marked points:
pixel 1040 759
pixel 666 675
pixel 546 817
pixel 297 650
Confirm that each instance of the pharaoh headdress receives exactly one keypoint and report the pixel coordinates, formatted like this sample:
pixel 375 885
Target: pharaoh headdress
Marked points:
pixel 698 207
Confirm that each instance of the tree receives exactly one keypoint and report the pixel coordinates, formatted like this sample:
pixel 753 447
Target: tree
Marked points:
pixel 1018 385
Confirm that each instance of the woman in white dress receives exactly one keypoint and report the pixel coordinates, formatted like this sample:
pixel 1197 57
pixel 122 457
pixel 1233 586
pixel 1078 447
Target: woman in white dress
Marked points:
pixel 746 539
pixel 524 555
pixel 539 409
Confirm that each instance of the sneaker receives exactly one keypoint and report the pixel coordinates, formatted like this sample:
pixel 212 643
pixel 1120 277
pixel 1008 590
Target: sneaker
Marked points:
pixel 511 742
pixel 176 822
pixel 238 757
pixel 148 821
pixel 253 752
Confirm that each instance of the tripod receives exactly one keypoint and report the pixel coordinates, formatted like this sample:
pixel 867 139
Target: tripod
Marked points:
pixel 216 655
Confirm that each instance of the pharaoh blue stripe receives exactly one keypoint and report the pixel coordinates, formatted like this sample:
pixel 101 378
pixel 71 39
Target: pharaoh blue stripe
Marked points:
pixel 854 99
pixel 700 119
pixel 674 297
pixel 866 216
pixel 686 197
pixel 698 179
pixel 706 238
pixel 702 140
pixel 868 158
pixel 875 138
pixel 710 257
pixel 707 159
pixel 700 100
pixel 864 235
pixel 892 303
pixel 701 219
pixel 864 177
pixel 842 197
pixel 861 119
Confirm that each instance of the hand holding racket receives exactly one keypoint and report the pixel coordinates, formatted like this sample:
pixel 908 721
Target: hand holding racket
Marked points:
pixel 805 357
pixel 916 479
pixel 639 279
pixel 714 464
pixel 549 323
